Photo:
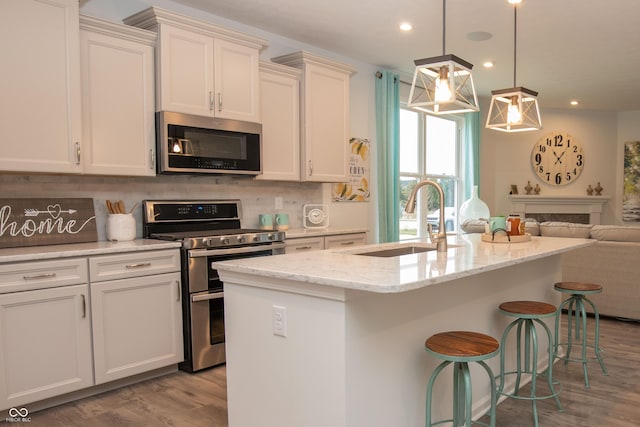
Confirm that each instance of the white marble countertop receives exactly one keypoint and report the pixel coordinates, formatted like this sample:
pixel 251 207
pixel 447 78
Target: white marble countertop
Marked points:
pixel 31 253
pixel 467 255
pixel 316 232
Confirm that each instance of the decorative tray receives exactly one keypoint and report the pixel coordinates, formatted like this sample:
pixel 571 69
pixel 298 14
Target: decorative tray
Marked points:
pixel 500 237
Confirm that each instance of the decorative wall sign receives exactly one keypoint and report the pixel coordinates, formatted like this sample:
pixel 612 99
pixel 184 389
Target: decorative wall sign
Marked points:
pixel 34 222
pixel 357 187
pixel 631 190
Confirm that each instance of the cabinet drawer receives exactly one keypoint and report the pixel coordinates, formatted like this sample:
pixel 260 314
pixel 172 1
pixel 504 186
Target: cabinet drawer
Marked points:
pixel 110 267
pixel 345 240
pixel 304 244
pixel 26 276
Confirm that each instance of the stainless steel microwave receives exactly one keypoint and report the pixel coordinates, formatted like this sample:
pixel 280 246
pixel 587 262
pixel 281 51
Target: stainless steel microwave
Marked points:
pixel 198 144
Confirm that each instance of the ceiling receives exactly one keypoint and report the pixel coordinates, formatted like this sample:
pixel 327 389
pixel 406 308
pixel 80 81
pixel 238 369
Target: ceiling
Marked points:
pixel 587 50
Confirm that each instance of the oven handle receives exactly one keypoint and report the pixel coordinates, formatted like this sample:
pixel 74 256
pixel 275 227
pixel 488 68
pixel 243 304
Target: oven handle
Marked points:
pixel 207 297
pixel 195 253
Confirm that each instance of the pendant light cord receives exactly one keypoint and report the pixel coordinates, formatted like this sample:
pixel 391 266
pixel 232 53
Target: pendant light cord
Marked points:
pixel 444 25
pixel 515 35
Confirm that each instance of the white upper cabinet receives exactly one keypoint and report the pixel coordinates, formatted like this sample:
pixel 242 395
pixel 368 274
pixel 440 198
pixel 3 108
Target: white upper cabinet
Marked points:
pixel 40 86
pixel 118 101
pixel 280 118
pixel 324 116
pixel 203 69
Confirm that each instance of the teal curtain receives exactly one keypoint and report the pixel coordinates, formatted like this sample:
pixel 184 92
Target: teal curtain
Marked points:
pixel 388 149
pixel 471 153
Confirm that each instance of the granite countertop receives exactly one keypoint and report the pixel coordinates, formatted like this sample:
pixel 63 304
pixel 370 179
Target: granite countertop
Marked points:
pixel 33 253
pixel 344 268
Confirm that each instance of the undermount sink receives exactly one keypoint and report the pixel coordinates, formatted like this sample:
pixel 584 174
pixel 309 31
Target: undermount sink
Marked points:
pixel 398 251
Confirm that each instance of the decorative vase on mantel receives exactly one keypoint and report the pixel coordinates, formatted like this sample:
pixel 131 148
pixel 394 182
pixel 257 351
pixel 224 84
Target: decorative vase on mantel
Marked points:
pixel 474 208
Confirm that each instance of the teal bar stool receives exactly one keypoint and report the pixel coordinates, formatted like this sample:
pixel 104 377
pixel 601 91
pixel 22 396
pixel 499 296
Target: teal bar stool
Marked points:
pixel 528 314
pixel 460 348
pixel 577 317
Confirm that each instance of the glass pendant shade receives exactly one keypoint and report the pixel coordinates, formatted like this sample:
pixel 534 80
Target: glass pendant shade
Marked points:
pixel 443 85
pixel 514 110
pixel 474 208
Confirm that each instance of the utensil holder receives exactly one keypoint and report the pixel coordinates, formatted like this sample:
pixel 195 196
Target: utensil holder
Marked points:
pixel 121 227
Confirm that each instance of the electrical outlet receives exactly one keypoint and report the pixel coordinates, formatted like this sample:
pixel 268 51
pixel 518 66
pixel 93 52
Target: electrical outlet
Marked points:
pixel 278 202
pixel 279 320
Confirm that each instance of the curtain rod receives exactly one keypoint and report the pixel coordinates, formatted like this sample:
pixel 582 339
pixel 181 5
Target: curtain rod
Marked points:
pixel 379 76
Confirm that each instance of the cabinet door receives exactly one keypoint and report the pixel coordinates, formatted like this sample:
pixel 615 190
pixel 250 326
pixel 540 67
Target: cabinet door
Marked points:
pixel 280 117
pixel 236 81
pixel 304 244
pixel 45 344
pixel 345 240
pixel 40 86
pixel 117 105
pixel 326 118
pixel 137 325
pixel 185 72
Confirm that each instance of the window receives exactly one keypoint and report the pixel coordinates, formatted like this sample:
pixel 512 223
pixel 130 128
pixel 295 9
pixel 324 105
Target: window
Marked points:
pixel 429 149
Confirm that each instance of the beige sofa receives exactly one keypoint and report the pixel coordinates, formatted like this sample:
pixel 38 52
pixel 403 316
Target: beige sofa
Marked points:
pixel 613 262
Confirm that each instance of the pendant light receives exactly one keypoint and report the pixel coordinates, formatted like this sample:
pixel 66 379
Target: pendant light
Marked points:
pixel 514 109
pixel 443 84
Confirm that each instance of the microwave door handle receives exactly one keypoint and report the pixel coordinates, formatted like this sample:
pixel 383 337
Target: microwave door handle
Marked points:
pixel 207 297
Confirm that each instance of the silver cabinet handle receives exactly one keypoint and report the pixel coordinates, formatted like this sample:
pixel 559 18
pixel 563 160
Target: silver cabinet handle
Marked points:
pixel 138 265
pixel 153 159
pixel 310 168
pixel 210 100
pixel 351 242
pixel 77 153
pixel 40 276
pixel 219 101
pixel 179 289
pixel 84 306
pixel 303 248
pixel 207 297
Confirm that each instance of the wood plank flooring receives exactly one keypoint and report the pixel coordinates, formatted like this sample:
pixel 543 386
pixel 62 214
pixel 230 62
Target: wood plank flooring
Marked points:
pixel 197 400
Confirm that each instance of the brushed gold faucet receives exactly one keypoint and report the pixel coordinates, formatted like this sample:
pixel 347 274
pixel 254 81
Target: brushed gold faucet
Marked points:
pixel 440 239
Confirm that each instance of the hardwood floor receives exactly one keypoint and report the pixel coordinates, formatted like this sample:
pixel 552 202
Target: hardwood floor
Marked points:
pixel 183 399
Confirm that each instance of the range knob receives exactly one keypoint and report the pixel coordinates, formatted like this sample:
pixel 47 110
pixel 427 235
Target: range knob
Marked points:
pixel 242 239
pixel 224 240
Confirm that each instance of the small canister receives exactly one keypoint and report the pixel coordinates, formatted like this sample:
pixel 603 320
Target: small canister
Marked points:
pixel 513 224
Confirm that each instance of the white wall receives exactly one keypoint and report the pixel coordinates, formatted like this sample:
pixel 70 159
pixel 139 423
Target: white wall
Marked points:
pixel 505 159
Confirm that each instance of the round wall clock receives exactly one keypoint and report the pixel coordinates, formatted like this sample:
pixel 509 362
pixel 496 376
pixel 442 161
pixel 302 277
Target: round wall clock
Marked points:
pixel 557 158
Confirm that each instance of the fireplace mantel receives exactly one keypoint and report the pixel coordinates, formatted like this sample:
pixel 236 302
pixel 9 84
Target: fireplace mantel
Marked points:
pixel 591 205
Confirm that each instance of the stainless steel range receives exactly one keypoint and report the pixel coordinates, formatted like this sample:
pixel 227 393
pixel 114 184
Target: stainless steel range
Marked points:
pixel 209 231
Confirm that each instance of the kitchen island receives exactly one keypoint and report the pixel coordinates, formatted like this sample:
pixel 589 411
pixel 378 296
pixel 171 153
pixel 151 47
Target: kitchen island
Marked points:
pixel 336 337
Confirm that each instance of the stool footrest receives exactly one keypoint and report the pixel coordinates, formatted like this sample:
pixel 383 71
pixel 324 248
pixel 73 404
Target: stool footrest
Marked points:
pixel 555 392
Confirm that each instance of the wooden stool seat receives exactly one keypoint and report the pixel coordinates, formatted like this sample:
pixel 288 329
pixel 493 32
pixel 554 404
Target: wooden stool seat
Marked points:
pixel 578 288
pixel 461 348
pixel 462 344
pixel 528 309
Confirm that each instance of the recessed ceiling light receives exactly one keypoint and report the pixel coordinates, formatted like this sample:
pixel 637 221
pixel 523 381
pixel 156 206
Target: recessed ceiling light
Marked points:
pixel 488 64
pixel 405 26
pixel 574 103
pixel 515 1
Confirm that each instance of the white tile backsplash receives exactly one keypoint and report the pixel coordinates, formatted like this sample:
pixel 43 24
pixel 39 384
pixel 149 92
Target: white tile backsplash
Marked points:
pixel 256 196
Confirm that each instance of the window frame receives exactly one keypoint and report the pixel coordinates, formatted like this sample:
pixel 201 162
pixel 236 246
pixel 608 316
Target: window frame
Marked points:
pixel 421 209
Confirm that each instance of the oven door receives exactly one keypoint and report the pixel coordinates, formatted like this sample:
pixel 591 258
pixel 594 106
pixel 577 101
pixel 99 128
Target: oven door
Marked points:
pixel 203 277
pixel 207 329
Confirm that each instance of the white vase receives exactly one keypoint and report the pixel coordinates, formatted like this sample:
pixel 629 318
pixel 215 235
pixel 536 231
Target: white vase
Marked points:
pixel 474 208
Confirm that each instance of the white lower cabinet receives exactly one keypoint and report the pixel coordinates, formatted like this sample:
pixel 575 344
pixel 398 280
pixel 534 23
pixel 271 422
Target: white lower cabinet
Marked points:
pixel 316 243
pixel 68 324
pixel 45 344
pixel 137 325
